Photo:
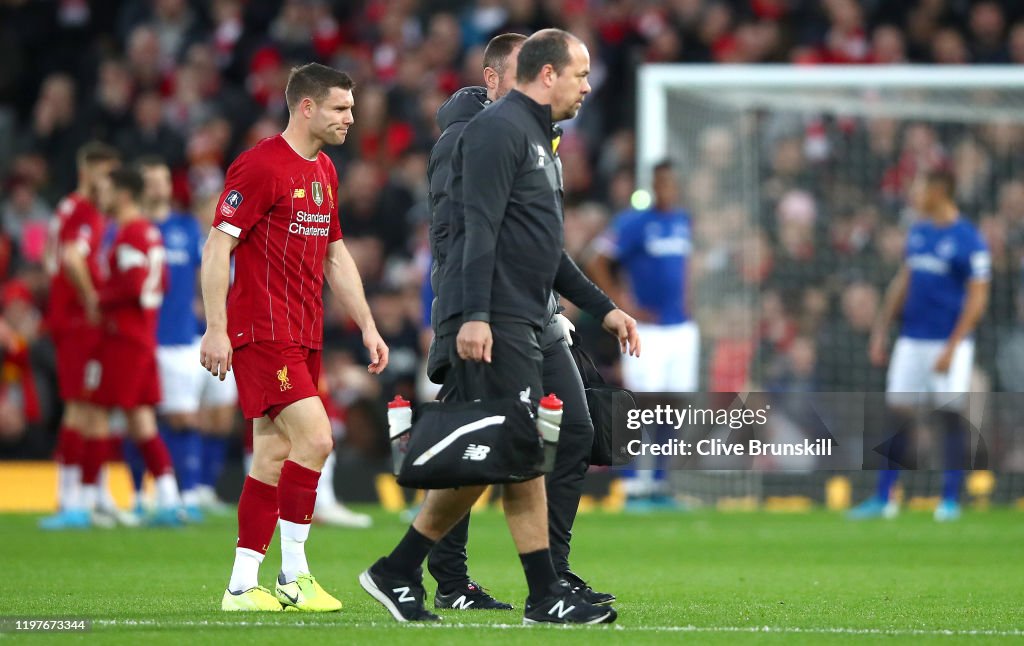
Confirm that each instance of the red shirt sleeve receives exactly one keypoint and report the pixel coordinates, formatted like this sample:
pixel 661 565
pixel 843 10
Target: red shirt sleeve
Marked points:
pixel 139 269
pixel 247 197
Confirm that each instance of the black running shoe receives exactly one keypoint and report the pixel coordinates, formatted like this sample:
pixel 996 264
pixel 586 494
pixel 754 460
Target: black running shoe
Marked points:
pixel 590 595
pixel 469 597
pixel 402 597
pixel 564 606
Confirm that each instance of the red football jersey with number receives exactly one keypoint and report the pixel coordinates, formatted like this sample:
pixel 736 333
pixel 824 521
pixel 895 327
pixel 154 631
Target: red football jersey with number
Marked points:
pixel 283 209
pixel 131 296
pixel 79 223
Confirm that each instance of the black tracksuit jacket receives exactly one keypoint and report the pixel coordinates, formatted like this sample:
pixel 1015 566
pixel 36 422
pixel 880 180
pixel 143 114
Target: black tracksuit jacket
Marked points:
pixel 496 229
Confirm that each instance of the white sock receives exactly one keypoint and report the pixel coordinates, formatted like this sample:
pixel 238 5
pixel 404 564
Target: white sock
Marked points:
pixel 325 487
pixel 139 501
pixel 190 498
pixel 293 549
pixel 90 494
pixel 246 571
pixel 69 494
pixel 641 484
pixel 167 491
pixel 106 499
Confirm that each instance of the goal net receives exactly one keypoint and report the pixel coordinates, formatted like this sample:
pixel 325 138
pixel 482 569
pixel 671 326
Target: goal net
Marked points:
pixel 799 180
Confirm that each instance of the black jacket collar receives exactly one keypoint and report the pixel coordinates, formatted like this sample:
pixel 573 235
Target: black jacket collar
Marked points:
pixel 541 112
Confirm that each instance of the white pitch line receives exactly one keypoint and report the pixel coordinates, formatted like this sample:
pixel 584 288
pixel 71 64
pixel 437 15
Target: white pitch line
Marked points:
pixel 894 632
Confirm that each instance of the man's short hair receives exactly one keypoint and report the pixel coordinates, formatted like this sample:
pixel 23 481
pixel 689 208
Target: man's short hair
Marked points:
pixel 315 81
pixel 150 161
pixel 945 178
pixel 664 164
pixel 498 50
pixel 546 47
pixel 96 151
pixel 128 179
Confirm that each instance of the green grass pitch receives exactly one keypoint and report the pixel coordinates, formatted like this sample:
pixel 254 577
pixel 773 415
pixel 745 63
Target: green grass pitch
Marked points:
pixel 700 577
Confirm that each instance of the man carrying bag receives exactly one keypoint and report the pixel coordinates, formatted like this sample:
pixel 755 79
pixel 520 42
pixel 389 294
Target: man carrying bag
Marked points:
pixel 510 191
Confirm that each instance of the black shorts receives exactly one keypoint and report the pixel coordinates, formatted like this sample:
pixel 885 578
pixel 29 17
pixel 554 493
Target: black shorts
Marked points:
pixel 517 365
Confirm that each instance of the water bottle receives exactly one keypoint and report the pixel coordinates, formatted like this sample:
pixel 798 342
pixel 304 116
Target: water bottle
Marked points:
pixel 549 422
pixel 399 424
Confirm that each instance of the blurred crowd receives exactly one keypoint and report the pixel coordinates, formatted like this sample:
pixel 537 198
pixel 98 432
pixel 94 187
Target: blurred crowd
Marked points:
pixel 196 82
pixel 798 263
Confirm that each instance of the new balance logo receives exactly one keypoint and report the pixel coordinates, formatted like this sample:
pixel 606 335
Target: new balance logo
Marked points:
pixel 476 452
pixel 462 603
pixel 560 609
pixel 471 427
pixel 403 594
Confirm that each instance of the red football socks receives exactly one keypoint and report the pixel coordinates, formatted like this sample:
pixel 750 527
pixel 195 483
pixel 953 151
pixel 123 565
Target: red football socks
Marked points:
pixel 296 492
pixel 94 454
pixel 155 455
pixel 257 515
pixel 70 446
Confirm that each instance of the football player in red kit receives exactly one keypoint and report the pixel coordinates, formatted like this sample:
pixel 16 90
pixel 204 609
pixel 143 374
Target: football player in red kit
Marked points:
pixel 278 216
pixel 124 373
pixel 72 316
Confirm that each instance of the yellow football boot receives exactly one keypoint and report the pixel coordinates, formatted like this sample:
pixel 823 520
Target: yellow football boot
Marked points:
pixel 256 599
pixel 305 594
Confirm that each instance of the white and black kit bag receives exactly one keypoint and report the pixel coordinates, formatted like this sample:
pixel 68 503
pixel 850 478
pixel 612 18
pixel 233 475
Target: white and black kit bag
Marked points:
pixel 471 443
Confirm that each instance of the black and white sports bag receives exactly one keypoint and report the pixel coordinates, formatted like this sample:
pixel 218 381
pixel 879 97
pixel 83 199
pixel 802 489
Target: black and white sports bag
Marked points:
pixel 471 443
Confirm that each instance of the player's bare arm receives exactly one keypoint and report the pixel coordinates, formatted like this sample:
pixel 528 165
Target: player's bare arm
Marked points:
pixel 343 277
pixel 77 268
pixel 895 296
pixel 215 273
pixel 975 304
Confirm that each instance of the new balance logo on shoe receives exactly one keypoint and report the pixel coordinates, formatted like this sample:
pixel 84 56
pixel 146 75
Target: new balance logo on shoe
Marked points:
pixel 404 596
pixel 560 609
pixel 476 452
pixel 462 603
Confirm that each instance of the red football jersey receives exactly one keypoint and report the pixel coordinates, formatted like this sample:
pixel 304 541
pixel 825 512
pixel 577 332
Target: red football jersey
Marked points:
pixel 282 207
pixel 131 297
pixel 78 222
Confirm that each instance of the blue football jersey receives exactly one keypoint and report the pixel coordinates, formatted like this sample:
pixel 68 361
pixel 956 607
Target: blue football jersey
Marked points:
pixel 654 247
pixel 183 242
pixel 942 261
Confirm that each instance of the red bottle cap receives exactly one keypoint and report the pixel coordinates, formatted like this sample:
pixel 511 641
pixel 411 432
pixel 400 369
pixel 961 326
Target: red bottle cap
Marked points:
pixel 399 402
pixel 551 401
